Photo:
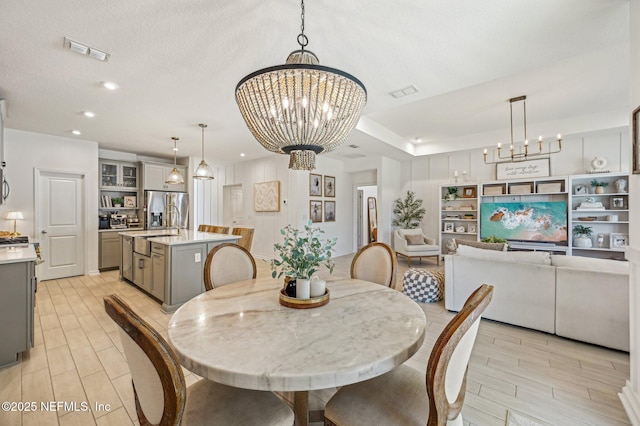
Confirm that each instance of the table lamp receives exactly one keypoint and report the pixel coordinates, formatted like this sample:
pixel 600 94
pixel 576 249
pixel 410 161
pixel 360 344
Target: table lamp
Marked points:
pixel 15 216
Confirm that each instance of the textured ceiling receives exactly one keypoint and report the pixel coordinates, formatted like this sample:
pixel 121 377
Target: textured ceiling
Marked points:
pixel 177 64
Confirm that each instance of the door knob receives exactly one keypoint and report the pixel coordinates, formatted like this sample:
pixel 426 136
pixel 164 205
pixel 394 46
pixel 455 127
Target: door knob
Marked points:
pixel 44 231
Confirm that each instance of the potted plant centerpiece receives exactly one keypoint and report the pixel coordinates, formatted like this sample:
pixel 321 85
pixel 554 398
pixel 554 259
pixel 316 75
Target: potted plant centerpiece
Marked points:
pixel 599 186
pixel 117 201
pixel 583 236
pixel 452 194
pixel 300 255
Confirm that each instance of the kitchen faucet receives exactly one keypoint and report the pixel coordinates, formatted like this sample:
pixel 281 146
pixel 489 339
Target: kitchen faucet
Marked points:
pixel 167 213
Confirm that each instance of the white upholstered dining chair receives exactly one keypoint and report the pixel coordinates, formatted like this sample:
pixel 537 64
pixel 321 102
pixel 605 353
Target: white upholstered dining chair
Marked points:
pixel 400 397
pixel 375 262
pixel 228 263
pixel 159 387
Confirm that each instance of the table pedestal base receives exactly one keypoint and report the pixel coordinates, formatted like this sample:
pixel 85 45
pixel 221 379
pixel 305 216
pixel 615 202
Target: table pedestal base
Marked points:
pixel 301 411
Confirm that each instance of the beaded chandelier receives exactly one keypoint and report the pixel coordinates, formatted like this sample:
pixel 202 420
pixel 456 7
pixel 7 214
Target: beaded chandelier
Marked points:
pixel 300 108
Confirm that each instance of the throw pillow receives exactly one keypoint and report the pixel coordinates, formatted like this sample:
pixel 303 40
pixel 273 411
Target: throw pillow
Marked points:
pixel 414 239
pixel 534 257
pixel 481 245
pixel 590 264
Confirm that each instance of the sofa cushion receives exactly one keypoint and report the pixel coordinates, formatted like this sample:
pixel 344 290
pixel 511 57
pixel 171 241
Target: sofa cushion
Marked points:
pixel 533 257
pixel 590 264
pixel 413 239
pixel 482 245
pixel 423 248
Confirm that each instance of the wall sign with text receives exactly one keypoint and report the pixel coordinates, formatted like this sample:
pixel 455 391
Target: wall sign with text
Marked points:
pixel 523 169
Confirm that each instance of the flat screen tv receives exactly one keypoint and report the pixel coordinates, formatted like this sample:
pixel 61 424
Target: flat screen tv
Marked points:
pixel 543 221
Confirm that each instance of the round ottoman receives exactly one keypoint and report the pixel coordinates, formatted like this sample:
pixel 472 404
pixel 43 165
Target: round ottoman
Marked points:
pixel 423 286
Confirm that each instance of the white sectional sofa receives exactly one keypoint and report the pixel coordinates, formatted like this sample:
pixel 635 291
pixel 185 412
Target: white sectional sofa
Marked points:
pixel 580 298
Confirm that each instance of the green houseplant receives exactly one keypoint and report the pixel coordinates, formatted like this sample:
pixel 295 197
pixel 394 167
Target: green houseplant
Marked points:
pixel 599 185
pixel 408 212
pixel 493 239
pixel 452 194
pixel 302 252
pixel 117 201
pixel 583 236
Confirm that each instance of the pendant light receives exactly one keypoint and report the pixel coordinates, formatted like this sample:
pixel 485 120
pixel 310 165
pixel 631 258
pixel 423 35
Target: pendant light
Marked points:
pixel 203 171
pixel 175 177
pixel 301 108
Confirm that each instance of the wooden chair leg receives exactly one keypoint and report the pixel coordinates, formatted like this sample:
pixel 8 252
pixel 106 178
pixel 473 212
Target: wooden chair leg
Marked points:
pixel 409 261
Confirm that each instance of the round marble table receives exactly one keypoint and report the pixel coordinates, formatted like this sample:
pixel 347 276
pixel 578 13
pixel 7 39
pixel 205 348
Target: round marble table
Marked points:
pixel 240 335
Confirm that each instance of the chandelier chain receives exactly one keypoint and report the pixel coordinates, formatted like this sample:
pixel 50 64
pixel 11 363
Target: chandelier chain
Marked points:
pixel 302 39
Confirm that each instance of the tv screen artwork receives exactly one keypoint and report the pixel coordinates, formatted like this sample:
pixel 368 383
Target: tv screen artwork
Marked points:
pixel 544 221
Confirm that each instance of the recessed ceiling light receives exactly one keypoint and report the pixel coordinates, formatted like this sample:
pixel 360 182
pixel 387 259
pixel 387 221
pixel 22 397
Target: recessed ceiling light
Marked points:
pixel 242 154
pixel 89 114
pixel 76 132
pixel 109 85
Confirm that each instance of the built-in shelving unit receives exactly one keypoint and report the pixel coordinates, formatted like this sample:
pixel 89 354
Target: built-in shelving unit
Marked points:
pixel 458 214
pixel 609 223
pixel 119 180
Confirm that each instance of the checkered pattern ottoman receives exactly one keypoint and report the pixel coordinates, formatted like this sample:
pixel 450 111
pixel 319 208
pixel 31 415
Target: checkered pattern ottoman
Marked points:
pixel 423 286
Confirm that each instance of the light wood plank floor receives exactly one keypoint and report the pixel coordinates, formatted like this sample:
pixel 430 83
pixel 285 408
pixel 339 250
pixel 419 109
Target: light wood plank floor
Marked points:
pixel 78 358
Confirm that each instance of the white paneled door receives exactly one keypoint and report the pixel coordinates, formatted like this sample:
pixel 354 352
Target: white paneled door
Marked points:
pixel 233 214
pixel 60 223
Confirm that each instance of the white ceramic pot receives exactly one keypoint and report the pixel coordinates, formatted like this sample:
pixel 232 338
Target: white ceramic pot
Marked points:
pixel 582 241
pixel 303 289
pixel 599 189
pixel 318 287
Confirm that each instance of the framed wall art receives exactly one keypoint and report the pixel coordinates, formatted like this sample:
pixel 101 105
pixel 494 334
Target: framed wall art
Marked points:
pixel 130 201
pixel 315 211
pixel 329 186
pixel 635 136
pixel 329 211
pixel 469 192
pixel 266 196
pixel 448 227
pixel 315 185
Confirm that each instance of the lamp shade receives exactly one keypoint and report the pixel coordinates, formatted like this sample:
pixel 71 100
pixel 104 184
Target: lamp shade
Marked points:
pixel 13 215
pixel 175 177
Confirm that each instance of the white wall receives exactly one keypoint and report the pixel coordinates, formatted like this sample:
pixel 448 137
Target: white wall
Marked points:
pixel 630 395
pixel 294 200
pixel 26 151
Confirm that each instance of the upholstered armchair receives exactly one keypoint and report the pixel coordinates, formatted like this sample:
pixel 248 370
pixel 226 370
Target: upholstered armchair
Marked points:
pixel 413 243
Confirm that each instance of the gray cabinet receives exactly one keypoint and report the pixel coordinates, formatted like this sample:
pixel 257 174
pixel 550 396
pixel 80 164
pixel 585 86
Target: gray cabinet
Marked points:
pixel 155 174
pixel 115 175
pixel 158 266
pixel 142 271
pixel 126 265
pixel 109 250
pixel 17 289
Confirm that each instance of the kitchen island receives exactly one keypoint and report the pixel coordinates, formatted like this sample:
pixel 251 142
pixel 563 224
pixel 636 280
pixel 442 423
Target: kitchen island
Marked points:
pixel 167 265
pixel 17 298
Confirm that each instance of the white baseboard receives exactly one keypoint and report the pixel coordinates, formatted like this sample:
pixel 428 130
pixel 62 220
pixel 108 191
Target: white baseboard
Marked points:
pixel 94 272
pixel 631 402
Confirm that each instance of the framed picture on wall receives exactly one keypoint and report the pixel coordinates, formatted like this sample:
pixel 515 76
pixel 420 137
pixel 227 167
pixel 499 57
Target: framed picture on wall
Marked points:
pixel 448 227
pixel 315 185
pixel 315 211
pixel 329 186
pixel 329 211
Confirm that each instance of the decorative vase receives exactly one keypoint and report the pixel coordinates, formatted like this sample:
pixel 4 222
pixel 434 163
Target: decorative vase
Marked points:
pixel 290 286
pixel 598 163
pixel 599 189
pixel 582 241
pixel 303 288
pixel 318 287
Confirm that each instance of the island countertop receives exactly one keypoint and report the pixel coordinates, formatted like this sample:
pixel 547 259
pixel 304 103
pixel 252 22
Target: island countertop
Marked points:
pixel 170 237
pixel 18 253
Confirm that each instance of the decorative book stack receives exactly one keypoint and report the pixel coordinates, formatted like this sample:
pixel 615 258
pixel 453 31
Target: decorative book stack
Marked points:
pixel 590 205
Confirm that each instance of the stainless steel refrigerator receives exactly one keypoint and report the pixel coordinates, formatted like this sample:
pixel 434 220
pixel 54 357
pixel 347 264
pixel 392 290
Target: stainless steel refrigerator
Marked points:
pixel 165 209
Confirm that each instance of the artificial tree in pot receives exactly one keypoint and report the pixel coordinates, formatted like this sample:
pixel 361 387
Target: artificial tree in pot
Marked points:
pixel 408 212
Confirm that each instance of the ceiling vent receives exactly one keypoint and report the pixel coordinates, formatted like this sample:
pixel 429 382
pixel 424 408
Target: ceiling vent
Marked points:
pixel 85 49
pixel 353 146
pixel 410 90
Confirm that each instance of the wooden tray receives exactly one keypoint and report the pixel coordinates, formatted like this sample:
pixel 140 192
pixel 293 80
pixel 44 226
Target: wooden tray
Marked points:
pixel 314 302
pixel 587 219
